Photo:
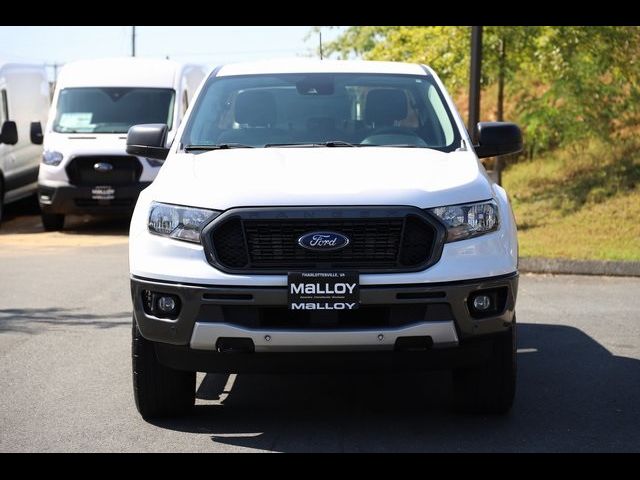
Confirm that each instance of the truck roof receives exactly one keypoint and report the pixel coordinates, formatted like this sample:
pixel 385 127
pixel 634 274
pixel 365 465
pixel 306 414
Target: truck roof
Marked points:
pixel 308 65
pixel 120 72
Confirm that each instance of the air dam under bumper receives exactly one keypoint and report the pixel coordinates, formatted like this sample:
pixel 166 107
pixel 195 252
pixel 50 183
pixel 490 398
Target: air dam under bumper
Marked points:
pixel 78 199
pixel 439 312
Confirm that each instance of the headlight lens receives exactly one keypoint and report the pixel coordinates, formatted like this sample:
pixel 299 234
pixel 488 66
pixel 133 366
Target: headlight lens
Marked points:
pixel 470 220
pixel 50 157
pixel 181 223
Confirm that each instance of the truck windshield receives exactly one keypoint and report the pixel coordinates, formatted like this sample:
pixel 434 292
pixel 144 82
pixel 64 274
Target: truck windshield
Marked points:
pixel 322 109
pixel 112 110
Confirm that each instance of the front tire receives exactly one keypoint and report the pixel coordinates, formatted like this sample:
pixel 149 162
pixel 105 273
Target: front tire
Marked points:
pixel 52 222
pixel 490 387
pixel 159 391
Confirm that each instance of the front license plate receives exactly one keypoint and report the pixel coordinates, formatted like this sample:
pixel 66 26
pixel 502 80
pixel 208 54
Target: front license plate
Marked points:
pixel 103 193
pixel 323 290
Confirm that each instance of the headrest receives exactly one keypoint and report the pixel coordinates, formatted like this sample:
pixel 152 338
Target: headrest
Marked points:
pixel 255 108
pixel 385 105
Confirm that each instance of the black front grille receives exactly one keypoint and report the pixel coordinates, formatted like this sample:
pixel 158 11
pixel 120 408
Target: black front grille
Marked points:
pixel 396 243
pixel 228 242
pixel 126 170
pixel 274 243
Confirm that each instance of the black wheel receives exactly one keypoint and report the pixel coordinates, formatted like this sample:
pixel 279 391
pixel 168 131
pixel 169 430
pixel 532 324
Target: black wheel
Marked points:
pixel 159 391
pixel 490 387
pixel 52 221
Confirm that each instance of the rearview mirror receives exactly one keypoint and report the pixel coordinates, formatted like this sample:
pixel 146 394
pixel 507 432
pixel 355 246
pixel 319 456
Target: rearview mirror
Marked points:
pixel 35 133
pixel 497 138
pixel 9 133
pixel 148 140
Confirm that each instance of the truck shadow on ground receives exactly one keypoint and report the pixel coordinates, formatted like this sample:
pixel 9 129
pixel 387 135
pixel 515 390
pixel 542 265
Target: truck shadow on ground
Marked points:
pixel 572 395
pixel 34 320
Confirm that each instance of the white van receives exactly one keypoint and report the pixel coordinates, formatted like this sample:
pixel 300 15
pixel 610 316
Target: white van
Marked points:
pixel 85 168
pixel 24 103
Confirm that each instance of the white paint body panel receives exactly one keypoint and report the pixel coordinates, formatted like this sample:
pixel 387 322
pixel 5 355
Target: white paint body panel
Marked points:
pixel 368 176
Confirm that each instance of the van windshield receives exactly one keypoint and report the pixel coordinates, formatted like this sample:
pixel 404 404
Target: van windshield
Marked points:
pixel 112 110
pixel 321 109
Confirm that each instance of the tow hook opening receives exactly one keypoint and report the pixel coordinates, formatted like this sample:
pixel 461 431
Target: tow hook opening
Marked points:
pixel 413 344
pixel 234 345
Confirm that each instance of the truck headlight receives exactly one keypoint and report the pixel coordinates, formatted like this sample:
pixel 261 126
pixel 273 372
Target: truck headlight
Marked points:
pixel 470 220
pixel 50 157
pixel 181 223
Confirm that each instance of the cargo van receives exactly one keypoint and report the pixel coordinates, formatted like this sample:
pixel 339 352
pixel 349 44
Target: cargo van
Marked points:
pixel 24 104
pixel 85 168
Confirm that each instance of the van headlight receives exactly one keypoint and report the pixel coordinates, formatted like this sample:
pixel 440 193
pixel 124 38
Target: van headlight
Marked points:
pixel 50 157
pixel 181 223
pixel 468 220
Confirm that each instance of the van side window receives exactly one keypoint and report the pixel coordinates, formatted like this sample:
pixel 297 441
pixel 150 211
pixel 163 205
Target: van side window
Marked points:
pixel 4 106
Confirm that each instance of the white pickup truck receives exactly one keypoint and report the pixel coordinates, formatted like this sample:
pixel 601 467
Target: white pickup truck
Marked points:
pixel 317 215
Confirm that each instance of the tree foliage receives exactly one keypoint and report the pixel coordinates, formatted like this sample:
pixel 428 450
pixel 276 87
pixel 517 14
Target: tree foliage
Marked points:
pixel 563 83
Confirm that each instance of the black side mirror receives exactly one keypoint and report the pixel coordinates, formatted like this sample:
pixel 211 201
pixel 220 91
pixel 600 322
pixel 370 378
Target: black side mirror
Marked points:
pixel 35 133
pixel 497 138
pixel 148 140
pixel 9 133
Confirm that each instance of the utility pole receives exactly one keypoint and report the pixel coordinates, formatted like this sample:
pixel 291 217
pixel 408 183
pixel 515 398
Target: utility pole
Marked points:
pixel 320 38
pixel 499 163
pixel 501 73
pixel 474 80
pixel 133 41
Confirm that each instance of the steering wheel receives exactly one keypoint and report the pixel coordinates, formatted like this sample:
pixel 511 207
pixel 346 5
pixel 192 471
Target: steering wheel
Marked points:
pixel 394 131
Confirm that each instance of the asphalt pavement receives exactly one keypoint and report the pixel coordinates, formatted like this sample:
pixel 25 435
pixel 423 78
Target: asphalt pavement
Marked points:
pixel 65 378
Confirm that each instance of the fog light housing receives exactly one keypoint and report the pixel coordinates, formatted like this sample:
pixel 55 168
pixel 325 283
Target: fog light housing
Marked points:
pixel 481 302
pixel 167 304
pixel 487 303
pixel 161 305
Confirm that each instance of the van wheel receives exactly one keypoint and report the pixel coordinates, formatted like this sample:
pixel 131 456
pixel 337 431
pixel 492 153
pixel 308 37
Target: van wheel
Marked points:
pixel 489 388
pixel 52 221
pixel 159 391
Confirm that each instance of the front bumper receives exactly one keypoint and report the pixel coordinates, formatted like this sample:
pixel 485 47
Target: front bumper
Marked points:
pixel 439 312
pixel 79 200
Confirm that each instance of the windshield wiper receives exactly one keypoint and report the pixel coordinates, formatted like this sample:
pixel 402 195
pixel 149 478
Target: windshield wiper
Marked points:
pixel 219 146
pixel 331 143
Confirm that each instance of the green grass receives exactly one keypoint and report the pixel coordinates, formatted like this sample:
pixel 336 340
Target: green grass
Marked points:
pixel 578 203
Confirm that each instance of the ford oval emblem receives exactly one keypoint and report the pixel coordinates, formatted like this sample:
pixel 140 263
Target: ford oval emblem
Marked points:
pixel 103 167
pixel 325 241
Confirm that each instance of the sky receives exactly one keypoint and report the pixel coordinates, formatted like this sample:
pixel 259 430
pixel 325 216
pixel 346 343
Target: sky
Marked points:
pixel 206 45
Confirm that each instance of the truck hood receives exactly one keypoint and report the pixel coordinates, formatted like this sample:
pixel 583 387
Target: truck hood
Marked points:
pixel 222 179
